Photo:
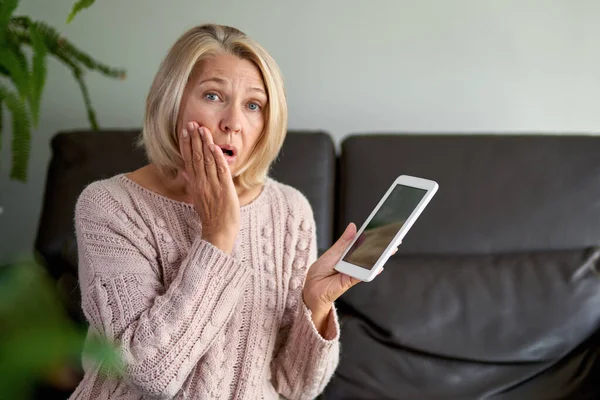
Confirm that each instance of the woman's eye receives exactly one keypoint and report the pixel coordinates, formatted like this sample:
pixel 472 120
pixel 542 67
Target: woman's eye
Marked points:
pixel 212 96
pixel 254 106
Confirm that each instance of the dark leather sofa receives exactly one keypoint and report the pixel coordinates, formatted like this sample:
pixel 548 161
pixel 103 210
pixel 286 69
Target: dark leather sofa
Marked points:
pixel 495 292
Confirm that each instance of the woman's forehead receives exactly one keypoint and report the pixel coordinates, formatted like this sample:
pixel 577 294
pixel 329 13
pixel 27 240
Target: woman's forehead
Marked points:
pixel 227 69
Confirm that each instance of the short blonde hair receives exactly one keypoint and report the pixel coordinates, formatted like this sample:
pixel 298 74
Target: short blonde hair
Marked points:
pixel 159 136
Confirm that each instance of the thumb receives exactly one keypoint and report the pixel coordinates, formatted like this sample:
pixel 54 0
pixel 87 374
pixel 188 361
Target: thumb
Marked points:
pixel 335 252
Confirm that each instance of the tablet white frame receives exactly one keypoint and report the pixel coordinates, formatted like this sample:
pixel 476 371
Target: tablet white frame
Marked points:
pixel 368 275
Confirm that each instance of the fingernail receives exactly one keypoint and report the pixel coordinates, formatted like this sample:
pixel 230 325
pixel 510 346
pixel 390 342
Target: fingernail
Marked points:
pixel 185 176
pixel 190 126
pixel 185 133
pixel 201 131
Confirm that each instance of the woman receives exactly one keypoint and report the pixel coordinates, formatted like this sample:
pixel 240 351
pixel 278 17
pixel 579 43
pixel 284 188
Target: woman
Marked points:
pixel 198 265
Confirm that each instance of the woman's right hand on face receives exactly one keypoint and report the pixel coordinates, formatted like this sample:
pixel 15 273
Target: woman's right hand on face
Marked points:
pixel 211 185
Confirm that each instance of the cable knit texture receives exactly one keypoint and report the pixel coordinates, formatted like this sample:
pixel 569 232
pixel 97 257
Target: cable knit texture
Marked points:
pixel 192 322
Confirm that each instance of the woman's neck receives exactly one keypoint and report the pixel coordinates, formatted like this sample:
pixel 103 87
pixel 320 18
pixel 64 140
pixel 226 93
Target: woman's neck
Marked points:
pixel 176 187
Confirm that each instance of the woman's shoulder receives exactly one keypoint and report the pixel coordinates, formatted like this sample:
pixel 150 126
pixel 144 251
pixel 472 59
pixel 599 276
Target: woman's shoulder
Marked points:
pixel 101 190
pixel 109 196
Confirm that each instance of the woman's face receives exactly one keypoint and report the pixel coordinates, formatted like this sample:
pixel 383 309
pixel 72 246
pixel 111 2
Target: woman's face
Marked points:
pixel 227 95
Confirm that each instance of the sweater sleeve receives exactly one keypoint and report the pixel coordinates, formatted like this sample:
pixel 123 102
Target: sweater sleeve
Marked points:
pixel 162 332
pixel 304 361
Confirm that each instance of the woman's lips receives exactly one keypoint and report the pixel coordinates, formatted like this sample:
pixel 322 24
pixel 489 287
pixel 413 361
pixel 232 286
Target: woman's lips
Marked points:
pixel 230 153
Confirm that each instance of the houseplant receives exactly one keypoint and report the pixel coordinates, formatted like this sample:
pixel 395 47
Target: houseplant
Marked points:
pixel 40 345
pixel 20 35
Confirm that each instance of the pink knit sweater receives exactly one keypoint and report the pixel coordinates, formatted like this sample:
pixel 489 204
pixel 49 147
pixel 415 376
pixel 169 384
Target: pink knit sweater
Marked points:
pixel 191 321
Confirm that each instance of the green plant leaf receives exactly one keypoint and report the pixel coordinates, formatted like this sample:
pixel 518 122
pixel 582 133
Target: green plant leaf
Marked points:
pixel 15 37
pixel 37 335
pixel 21 135
pixel 19 73
pixel 38 71
pixel 78 75
pixel 7 7
pixel 77 7
pixel 90 63
pixel 69 49
pixel 86 99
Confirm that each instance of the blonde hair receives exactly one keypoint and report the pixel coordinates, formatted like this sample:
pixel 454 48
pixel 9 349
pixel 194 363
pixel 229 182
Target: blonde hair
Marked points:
pixel 159 136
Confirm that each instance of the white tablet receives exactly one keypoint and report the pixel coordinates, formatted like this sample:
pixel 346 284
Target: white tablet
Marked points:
pixel 389 222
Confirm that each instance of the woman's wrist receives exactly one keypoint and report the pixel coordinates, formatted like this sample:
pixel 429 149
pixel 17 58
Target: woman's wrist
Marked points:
pixel 319 313
pixel 320 320
pixel 221 242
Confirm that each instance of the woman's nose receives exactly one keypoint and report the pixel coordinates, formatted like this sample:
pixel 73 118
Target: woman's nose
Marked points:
pixel 231 120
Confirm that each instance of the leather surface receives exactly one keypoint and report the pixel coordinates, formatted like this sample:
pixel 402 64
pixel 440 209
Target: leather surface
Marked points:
pixel 497 193
pixel 472 327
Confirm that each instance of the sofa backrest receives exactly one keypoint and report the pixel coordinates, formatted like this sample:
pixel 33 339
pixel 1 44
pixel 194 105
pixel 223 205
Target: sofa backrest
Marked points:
pixel 78 158
pixel 498 193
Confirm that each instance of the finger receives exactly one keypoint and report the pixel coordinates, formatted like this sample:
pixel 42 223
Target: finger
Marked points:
pixel 185 150
pixel 209 155
pixel 197 157
pixel 353 282
pixel 349 284
pixel 395 250
pixel 335 252
pixel 222 168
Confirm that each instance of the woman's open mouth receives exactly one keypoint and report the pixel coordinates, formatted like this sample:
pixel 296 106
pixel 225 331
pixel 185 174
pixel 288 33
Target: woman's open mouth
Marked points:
pixel 230 152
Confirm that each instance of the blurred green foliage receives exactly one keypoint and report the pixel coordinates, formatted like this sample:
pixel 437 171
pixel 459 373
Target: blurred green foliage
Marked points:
pixel 38 340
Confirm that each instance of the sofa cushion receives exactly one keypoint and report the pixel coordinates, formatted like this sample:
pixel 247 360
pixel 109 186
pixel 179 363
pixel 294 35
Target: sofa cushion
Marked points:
pixel 451 327
pixel 467 326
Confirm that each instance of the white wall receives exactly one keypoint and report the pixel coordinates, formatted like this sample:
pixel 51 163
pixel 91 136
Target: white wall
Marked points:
pixel 350 66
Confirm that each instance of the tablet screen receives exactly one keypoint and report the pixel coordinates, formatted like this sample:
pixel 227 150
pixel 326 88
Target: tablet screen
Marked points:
pixel 385 224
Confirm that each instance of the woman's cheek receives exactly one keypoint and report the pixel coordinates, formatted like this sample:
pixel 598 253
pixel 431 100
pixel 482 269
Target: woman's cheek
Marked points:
pixel 205 116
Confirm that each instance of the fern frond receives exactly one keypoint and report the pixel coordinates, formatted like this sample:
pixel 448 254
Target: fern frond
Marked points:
pixel 54 42
pixel 74 53
pixel 90 63
pixel 18 71
pixel 7 7
pixel 21 139
pixel 86 99
pixel 78 7
pixel 13 45
pixel 44 40
pixel 78 75
pixel 38 72
pixel 54 46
